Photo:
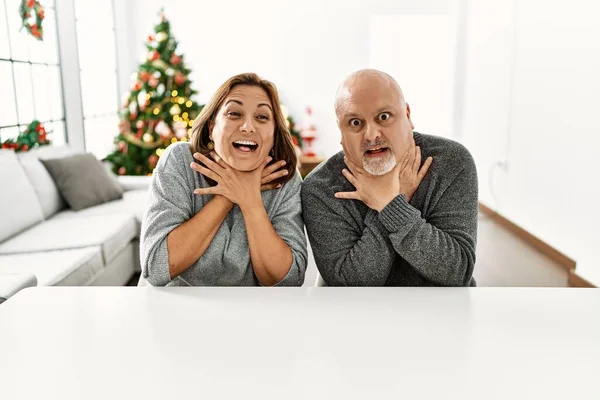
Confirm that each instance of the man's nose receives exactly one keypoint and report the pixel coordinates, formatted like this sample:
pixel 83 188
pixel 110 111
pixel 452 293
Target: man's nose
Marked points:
pixel 247 125
pixel 371 133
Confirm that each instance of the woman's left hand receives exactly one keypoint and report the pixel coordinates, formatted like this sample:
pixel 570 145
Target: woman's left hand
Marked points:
pixel 241 188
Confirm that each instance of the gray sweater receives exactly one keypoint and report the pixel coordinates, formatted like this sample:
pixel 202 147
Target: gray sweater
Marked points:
pixel 427 242
pixel 226 262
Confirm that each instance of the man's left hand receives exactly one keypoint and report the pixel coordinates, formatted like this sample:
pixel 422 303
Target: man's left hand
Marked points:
pixel 411 172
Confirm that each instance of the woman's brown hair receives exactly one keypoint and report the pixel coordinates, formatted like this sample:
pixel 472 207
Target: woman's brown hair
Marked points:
pixel 283 148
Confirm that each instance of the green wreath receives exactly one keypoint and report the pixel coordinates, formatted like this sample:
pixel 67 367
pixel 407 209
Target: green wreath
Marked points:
pixel 28 10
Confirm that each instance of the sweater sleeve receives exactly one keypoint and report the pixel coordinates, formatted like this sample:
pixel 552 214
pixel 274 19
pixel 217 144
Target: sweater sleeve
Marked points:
pixel 345 255
pixel 169 205
pixel 441 248
pixel 287 222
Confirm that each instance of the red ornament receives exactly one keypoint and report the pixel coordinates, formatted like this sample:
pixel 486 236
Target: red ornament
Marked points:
pixel 25 147
pixel 150 38
pixel 154 55
pixel 137 86
pixel 122 171
pixel 180 78
pixel 41 14
pixel 34 31
pixel 144 76
pixel 175 59
pixel 30 3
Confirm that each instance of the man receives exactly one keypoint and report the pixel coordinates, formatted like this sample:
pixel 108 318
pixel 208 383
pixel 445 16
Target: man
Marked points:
pixel 375 214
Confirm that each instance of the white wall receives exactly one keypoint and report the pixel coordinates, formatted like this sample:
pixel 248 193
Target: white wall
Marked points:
pixel 419 51
pixel 306 48
pixel 531 102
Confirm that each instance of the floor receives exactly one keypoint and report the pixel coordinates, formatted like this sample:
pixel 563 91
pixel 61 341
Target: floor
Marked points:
pixel 502 260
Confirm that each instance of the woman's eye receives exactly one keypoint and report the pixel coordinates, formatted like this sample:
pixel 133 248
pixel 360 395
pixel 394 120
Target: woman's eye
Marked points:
pixel 355 122
pixel 384 116
pixel 263 117
pixel 233 114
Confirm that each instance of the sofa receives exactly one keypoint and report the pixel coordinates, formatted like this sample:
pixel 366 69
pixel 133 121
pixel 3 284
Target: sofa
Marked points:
pixel 41 238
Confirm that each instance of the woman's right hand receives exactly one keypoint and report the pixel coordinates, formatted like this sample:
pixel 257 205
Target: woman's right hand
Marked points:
pixel 272 173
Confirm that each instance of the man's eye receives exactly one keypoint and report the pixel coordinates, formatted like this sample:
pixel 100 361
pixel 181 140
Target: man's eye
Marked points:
pixel 384 116
pixel 355 122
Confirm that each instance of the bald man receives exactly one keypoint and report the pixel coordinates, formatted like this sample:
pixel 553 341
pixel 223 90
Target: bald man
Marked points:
pixel 395 207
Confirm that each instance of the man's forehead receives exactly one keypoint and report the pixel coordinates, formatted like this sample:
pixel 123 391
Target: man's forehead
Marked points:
pixel 366 103
pixel 368 90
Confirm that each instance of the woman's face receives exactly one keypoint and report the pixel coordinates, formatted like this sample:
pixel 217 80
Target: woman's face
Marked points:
pixel 244 128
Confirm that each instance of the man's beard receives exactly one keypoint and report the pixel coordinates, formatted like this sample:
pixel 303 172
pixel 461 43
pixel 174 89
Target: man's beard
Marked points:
pixel 380 165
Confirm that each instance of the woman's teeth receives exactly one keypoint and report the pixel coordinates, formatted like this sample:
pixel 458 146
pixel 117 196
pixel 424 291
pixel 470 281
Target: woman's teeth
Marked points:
pixel 245 145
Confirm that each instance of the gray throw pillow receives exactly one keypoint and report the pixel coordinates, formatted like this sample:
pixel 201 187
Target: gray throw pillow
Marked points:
pixel 82 180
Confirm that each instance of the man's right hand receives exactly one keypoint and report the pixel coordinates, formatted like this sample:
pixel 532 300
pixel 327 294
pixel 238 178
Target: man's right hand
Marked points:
pixel 375 191
pixel 410 175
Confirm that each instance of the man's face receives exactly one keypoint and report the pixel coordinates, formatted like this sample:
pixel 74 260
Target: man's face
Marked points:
pixel 375 124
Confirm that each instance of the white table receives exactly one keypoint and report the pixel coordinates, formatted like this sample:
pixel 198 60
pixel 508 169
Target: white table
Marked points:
pixel 303 343
pixel 10 284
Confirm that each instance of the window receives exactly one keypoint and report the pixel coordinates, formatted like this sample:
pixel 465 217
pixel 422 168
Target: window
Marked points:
pixel 98 73
pixel 30 80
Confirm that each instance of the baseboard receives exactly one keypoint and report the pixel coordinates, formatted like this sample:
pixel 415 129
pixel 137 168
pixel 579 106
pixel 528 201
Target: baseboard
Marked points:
pixel 564 261
pixel 577 281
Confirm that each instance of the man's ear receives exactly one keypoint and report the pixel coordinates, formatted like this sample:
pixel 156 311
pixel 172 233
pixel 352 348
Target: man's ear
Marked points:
pixel 412 126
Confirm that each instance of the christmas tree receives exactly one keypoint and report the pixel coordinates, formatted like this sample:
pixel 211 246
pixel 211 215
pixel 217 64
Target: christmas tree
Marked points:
pixel 159 110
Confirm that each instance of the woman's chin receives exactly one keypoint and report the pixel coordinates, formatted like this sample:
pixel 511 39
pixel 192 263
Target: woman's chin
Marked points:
pixel 245 165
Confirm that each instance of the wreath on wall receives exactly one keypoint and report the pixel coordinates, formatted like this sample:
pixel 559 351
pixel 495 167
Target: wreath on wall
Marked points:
pixel 32 16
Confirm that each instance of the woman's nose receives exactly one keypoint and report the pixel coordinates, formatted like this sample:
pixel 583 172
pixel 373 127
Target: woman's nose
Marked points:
pixel 247 126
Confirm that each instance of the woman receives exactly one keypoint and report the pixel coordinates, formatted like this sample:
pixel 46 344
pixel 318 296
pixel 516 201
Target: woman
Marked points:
pixel 225 208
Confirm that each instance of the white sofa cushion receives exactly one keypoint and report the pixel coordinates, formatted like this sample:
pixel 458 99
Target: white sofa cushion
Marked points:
pixel 45 188
pixel 111 232
pixel 134 202
pixel 75 267
pixel 19 205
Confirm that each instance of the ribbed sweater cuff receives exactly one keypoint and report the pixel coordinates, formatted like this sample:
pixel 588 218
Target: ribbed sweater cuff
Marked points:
pixel 158 268
pixel 397 214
